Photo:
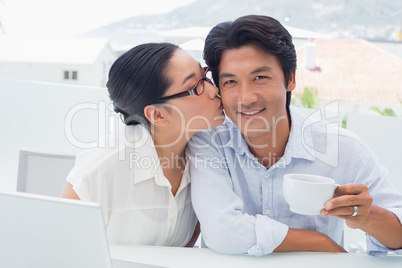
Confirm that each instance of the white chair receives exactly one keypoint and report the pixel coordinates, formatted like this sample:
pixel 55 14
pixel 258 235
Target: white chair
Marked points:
pixel 383 136
pixel 51 117
pixel 43 172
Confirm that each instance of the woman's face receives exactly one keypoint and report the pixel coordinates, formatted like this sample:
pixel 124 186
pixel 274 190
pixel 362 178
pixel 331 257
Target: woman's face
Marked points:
pixel 194 112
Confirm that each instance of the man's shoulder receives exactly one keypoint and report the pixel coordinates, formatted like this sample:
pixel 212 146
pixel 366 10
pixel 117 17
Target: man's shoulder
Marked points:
pixel 223 132
pixel 313 122
pixel 328 129
pixel 316 131
pixel 221 139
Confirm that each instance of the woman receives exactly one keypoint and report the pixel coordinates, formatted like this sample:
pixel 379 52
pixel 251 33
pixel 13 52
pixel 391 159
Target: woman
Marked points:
pixel 142 182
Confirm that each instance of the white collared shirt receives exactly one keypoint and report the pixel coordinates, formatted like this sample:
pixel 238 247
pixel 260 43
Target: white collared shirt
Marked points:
pixel 128 182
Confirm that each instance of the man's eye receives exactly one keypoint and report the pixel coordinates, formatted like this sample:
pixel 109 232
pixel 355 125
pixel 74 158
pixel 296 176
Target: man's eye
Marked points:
pixel 228 82
pixel 261 77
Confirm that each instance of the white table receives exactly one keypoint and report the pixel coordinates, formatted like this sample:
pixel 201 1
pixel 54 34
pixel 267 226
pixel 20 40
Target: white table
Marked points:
pixel 206 258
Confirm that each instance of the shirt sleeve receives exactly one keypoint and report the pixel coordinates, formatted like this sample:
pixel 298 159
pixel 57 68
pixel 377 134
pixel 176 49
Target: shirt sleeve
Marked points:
pixel 89 177
pixel 78 176
pixel 374 176
pixel 225 227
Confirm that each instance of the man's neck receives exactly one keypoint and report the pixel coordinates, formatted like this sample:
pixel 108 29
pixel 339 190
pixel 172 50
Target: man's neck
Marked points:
pixel 270 147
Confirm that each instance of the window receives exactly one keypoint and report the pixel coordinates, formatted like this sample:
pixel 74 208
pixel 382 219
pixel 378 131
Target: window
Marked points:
pixel 73 76
pixel 66 75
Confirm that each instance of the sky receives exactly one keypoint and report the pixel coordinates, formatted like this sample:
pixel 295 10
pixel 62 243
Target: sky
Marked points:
pixel 65 18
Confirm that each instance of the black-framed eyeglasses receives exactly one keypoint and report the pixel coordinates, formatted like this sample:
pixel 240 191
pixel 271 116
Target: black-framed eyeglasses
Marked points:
pixel 198 89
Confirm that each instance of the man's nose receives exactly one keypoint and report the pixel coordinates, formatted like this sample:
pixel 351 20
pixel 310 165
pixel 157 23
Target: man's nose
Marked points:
pixel 246 95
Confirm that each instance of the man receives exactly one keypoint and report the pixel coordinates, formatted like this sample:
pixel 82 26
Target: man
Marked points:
pixel 238 167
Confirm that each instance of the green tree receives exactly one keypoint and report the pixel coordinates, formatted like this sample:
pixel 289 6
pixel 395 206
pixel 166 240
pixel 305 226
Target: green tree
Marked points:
pixel 385 111
pixel 344 121
pixel 308 98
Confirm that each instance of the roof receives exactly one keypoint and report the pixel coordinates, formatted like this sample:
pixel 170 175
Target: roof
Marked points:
pixel 202 32
pixel 188 32
pixel 193 44
pixel 301 33
pixel 351 70
pixel 73 50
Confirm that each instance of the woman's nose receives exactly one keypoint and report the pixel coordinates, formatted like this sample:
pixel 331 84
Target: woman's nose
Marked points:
pixel 211 90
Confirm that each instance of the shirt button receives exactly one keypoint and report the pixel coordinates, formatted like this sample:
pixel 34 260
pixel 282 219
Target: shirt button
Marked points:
pixel 267 212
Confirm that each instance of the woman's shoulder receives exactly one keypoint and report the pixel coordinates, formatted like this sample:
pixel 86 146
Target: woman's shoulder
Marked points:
pixel 113 152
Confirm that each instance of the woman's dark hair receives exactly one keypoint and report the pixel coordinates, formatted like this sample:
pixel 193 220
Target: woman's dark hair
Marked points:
pixel 138 78
pixel 263 31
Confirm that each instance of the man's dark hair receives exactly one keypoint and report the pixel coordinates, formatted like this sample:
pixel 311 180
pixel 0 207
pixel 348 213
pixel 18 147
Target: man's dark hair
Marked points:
pixel 263 31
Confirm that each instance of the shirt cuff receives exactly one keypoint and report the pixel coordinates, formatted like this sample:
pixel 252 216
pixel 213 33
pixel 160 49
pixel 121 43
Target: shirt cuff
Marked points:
pixel 270 234
pixel 80 187
pixel 397 212
pixel 376 249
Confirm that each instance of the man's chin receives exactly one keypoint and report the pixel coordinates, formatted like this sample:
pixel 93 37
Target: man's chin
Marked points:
pixel 254 132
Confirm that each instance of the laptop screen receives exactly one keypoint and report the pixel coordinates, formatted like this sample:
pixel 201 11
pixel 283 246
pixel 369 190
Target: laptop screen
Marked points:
pixel 43 231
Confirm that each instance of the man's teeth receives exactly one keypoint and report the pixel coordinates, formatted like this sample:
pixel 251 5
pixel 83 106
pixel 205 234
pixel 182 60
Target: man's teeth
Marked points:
pixel 252 112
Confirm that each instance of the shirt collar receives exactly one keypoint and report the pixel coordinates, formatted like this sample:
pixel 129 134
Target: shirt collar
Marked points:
pixel 143 158
pixel 299 136
pixel 141 153
pixel 235 138
pixel 295 148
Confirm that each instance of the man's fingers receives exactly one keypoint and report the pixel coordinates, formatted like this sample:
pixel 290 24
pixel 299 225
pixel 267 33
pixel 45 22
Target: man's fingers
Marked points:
pixel 350 189
pixel 343 201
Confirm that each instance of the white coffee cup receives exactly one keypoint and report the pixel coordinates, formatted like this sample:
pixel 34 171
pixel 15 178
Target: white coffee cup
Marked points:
pixel 306 194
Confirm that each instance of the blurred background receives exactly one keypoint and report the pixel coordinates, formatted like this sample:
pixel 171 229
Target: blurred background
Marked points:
pixel 55 56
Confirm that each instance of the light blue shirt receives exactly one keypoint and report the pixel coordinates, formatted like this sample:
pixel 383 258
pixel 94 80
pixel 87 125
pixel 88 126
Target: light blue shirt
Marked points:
pixel 240 204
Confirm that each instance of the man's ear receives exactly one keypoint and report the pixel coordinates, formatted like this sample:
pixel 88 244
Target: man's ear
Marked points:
pixel 292 82
pixel 156 115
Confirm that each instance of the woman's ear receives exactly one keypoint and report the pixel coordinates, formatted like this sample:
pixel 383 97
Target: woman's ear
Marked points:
pixel 156 115
pixel 292 82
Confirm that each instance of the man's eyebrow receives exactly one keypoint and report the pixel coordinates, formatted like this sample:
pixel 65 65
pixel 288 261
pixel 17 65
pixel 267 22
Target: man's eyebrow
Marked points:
pixel 261 69
pixel 258 70
pixel 191 75
pixel 223 75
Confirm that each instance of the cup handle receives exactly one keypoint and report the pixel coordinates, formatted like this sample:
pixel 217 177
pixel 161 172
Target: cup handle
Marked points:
pixel 336 185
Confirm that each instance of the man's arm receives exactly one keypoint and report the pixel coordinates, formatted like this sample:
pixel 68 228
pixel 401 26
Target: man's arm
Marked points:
pixel 376 221
pixel 384 226
pixel 226 227
pixel 306 240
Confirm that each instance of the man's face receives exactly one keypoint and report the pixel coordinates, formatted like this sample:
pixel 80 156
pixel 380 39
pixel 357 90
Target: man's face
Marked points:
pixel 252 86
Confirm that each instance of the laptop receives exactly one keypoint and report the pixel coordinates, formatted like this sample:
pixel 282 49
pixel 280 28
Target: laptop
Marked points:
pixel 44 231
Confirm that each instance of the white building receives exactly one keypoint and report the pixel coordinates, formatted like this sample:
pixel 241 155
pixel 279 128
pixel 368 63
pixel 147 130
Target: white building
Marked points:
pixel 78 61
pixel 192 39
